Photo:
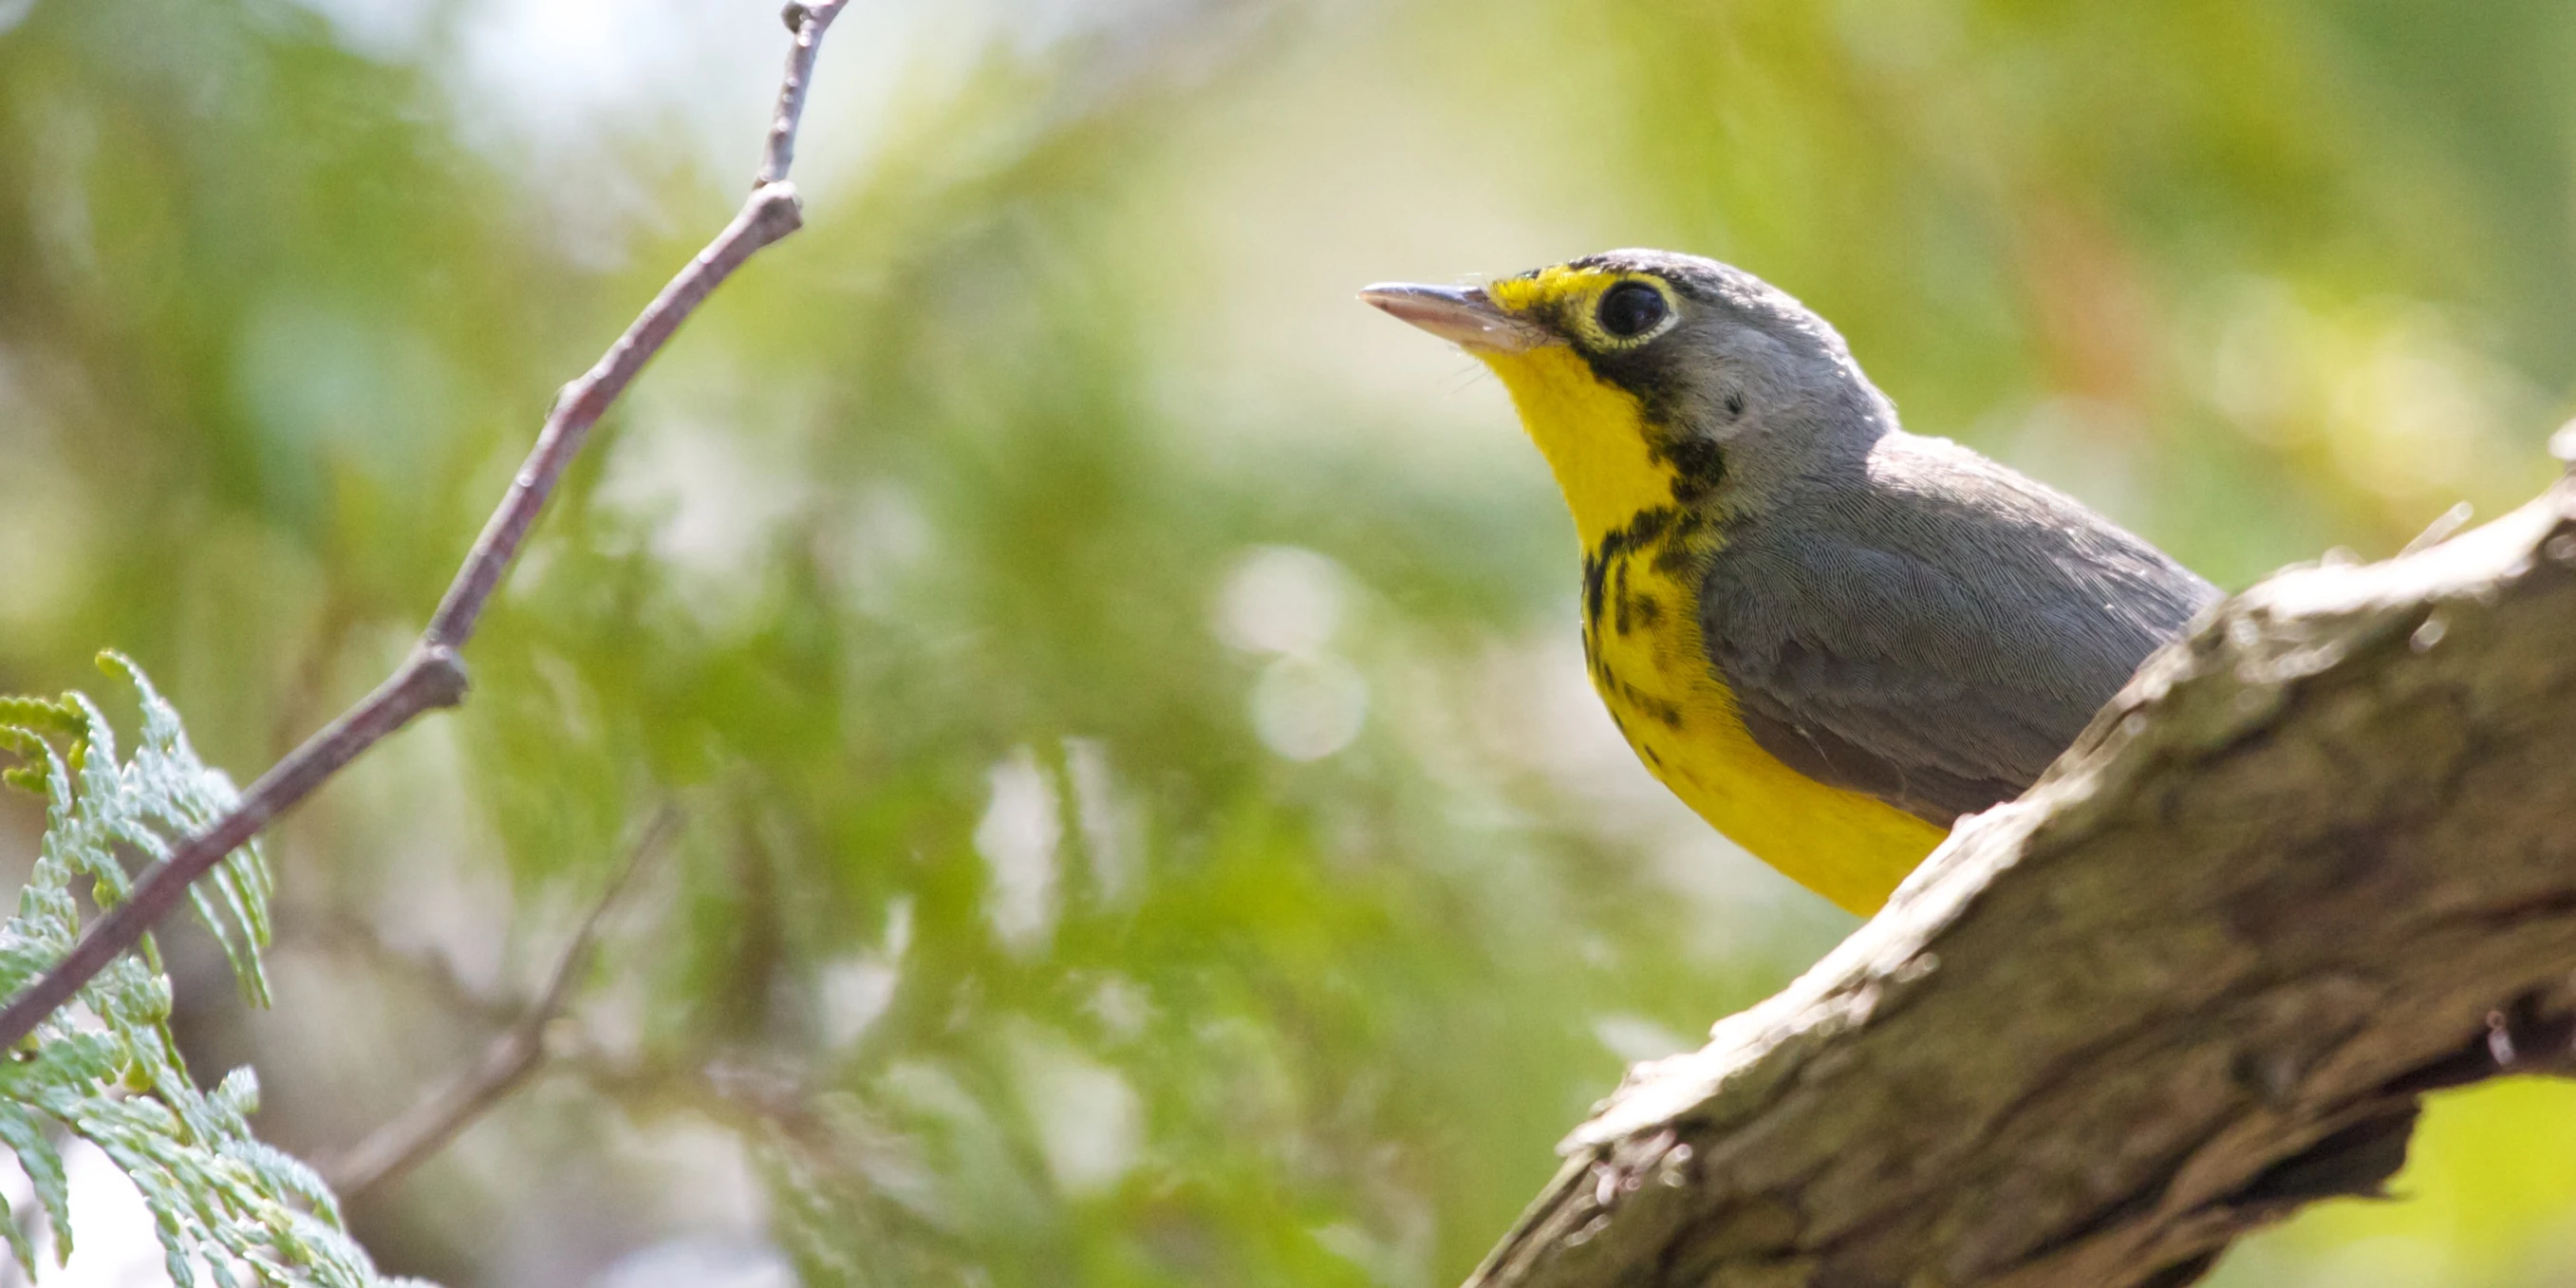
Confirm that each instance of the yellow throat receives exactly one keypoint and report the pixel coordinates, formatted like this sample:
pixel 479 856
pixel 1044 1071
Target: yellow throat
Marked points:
pixel 1641 631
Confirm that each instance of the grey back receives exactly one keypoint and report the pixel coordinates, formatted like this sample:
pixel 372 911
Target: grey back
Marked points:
pixel 1924 625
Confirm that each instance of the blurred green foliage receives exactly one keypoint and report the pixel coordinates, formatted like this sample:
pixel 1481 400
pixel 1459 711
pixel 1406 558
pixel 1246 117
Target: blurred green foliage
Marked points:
pixel 1147 825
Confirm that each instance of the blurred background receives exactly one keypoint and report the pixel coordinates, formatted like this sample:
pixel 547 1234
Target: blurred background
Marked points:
pixel 1144 817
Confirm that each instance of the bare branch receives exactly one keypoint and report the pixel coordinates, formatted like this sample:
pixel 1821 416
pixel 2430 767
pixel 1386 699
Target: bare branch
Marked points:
pixel 2312 863
pixel 808 22
pixel 769 215
pixel 431 677
pixel 515 1054
pixel 434 676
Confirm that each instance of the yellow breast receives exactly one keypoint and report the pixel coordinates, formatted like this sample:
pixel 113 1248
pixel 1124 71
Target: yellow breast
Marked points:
pixel 1641 635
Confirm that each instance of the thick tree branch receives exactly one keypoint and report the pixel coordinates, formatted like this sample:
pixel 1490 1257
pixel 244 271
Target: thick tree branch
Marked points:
pixel 434 676
pixel 2313 862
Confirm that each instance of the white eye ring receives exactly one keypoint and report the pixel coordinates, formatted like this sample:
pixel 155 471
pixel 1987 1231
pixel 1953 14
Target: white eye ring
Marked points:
pixel 1633 312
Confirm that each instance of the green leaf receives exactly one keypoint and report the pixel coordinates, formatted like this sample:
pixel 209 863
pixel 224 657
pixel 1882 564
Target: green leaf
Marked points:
pixel 43 1164
pixel 221 1201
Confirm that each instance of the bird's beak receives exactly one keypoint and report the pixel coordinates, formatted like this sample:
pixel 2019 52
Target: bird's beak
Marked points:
pixel 1467 318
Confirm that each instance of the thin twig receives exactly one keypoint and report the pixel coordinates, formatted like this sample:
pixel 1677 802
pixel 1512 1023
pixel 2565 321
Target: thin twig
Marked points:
pixel 434 676
pixel 404 1141
pixel 808 22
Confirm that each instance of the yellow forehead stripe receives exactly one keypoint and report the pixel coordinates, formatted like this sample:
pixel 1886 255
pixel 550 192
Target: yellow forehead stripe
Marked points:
pixel 1521 294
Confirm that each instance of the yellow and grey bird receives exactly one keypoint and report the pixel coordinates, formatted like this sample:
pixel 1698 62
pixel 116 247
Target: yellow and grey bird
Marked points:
pixel 1830 637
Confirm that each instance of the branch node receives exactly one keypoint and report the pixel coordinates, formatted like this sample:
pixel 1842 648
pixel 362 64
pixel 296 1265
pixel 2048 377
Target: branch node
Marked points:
pixel 775 209
pixel 794 15
pixel 440 673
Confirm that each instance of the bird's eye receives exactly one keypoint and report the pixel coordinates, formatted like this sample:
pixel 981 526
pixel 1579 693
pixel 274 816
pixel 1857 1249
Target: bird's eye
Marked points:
pixel 1631 309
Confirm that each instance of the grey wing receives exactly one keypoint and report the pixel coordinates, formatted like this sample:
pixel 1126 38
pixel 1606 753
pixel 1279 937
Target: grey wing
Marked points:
pixel 1938 661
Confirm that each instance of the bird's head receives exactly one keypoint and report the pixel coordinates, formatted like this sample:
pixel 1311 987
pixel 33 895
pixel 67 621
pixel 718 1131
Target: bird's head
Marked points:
pixel 1650 378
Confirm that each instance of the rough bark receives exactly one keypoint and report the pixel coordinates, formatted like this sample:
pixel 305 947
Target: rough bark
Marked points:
pixel 2315 861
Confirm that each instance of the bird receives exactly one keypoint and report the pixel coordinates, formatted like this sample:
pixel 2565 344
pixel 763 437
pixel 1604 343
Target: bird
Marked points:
pixel 1832 638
